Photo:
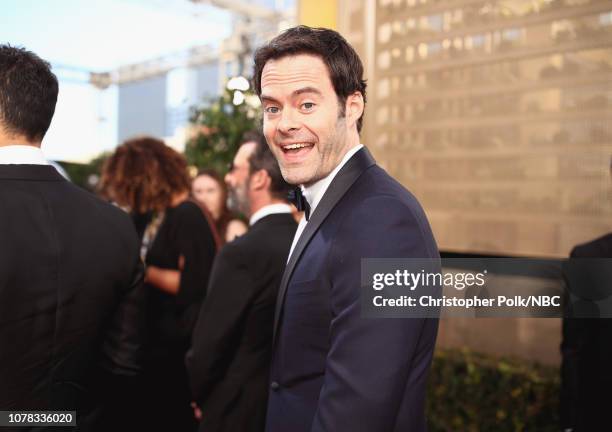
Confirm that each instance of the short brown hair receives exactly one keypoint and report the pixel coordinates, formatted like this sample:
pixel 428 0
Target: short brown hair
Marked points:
pixel 263 159
pixel 144 174
pixel 343 63
pixel 28 93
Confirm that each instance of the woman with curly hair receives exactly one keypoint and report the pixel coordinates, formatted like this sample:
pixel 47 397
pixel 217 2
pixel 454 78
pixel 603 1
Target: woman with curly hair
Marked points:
pixel 179 241
pixel 210 190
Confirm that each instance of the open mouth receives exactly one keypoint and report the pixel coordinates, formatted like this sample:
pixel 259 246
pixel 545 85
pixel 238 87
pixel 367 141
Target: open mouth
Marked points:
pixel 296 149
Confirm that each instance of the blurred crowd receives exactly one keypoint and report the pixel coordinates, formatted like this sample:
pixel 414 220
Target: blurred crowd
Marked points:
pixel 155 308
pixel 182 223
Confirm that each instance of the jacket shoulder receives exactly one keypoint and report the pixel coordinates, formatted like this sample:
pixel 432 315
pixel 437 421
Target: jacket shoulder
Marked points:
pixel 376 193
pixel 600 247
pixel 109 219
pixel 377 207
pixel 266 239
pixel 376 181
pixel 92 205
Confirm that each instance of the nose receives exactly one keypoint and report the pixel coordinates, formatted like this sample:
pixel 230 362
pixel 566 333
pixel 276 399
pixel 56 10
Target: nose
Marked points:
pixel 288 122
pixel 228 179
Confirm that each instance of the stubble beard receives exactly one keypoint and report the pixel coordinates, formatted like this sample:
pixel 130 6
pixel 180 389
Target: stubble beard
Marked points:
pixel 238 200
pixel 328 156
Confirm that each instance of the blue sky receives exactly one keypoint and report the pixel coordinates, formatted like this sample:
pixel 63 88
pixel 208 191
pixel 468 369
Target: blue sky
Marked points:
pixel 99 36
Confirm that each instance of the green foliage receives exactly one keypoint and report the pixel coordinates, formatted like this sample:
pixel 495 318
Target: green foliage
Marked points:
pixel 476 393
pixel 86 175
pixel 219 129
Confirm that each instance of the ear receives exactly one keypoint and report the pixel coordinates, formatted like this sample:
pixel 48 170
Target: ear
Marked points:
pixel 354 108
pixel 259 180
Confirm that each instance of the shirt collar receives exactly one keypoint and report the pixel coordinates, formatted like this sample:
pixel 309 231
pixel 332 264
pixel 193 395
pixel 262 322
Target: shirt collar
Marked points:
pixel 22 155
pixel 315 191
pixel 268 210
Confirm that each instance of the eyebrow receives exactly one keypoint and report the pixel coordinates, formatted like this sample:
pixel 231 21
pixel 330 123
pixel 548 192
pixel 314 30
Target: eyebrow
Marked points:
pixel 307 90
pixel 297 92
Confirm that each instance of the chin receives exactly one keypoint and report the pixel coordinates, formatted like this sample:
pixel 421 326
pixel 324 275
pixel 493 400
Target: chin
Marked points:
pixel 296 176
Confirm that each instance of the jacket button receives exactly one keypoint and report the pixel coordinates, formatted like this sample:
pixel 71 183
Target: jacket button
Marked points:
pixel 274 385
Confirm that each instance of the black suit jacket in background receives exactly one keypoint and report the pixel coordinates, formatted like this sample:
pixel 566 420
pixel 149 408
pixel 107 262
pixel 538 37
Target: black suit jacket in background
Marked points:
pixel 334 370
pixel 70 293
pixel 230 357
pixel 586 347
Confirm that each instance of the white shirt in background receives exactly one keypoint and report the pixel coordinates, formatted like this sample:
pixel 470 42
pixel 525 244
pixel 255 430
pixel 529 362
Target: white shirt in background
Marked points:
pixel 268 210
pixel 22 155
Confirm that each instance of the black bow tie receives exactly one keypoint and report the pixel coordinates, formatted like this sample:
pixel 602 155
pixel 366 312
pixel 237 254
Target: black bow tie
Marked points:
pixel 297 198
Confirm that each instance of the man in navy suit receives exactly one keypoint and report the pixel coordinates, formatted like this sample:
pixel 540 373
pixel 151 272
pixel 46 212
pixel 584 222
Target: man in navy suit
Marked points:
pixel 333 369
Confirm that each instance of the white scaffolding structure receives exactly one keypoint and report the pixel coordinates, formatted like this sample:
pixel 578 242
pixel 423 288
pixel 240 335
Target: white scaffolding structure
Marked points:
pixel 252 25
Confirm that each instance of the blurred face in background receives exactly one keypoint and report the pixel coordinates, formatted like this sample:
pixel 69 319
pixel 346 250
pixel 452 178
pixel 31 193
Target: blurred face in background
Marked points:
pixel 237 180
pixel 208 191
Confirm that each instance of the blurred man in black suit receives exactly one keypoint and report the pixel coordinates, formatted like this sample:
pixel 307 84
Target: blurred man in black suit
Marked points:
pixel 70 272
pixel 586 348
pixel 231 349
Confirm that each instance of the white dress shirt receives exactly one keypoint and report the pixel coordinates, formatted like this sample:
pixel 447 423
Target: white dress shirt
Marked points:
pixel 22 155
pixel 314 193
pixel 268 210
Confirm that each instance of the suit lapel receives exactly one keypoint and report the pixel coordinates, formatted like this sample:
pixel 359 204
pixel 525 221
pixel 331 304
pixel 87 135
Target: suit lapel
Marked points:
pixel 345 178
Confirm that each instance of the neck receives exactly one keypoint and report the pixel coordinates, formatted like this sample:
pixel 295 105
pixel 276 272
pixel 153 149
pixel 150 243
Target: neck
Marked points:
pixel 353 140
pixel 260 202
pixel 179 198
pixel 7 139
pixel 351 145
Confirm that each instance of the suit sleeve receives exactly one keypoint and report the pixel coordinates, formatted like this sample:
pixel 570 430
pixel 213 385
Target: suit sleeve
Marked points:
pixel 214 338
pixel 122 346
pixel 370 359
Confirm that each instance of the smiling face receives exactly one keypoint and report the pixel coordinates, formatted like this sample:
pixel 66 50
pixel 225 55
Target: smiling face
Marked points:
pixel 302 118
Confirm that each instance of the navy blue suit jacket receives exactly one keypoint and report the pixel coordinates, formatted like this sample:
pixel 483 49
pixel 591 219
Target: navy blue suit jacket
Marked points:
pixel 332 369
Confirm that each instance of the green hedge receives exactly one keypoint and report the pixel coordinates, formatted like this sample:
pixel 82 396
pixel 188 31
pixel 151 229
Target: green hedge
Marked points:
pixel 477 392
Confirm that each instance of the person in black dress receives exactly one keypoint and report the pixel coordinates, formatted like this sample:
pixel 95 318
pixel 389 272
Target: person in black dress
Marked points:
pixel 178 245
